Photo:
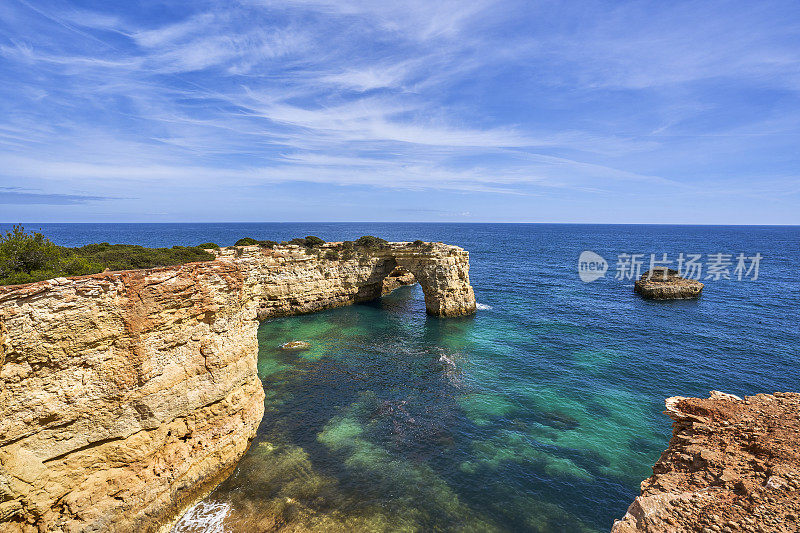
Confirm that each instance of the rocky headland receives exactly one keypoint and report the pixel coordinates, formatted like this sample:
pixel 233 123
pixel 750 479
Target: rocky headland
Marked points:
pixel 666 284
pixel 732 465
pixel 126 396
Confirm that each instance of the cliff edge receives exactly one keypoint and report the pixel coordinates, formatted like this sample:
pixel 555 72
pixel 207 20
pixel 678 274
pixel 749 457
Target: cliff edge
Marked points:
pixel 732 465
pixel 125 396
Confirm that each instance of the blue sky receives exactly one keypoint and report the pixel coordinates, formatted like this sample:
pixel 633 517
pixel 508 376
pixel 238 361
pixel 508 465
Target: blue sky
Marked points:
pixel 409 110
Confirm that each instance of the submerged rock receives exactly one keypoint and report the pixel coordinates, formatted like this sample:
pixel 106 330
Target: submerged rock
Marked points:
pixel 666 284
pixel 295 346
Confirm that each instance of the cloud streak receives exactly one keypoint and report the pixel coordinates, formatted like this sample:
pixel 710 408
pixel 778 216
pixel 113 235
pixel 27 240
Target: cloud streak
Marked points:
pixel 508 98
pixel 13 196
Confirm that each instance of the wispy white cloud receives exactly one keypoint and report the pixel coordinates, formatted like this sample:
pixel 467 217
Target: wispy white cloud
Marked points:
pixel 485 96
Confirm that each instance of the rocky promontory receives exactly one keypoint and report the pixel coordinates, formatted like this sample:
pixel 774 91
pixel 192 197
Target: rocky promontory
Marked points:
pixel 666 284
pixel 125 396
pixel 732 465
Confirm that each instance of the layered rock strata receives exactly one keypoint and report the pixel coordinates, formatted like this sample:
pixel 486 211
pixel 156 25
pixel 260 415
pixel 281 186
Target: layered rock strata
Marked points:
pixel 666 284
pixel 732 465
pixel 125 396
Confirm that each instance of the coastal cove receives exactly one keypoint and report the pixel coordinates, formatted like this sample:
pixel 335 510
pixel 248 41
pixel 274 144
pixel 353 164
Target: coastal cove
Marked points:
pixel 127 394
pixel 540 413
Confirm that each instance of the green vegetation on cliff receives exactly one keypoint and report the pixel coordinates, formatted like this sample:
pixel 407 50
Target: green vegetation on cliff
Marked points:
pixel 28 257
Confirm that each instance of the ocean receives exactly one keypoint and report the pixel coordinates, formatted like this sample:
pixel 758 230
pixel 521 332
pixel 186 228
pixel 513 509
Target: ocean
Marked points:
pixel 543 412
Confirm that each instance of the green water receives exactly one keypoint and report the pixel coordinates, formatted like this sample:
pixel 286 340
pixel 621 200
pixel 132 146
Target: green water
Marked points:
pixel 394 421
pixel 543 412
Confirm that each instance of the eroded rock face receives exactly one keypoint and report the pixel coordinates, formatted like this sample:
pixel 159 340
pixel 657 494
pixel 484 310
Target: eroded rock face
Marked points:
pixel 291 281
pixel 732 465
pixel 125 396
pixel 666 284
pixel 397 278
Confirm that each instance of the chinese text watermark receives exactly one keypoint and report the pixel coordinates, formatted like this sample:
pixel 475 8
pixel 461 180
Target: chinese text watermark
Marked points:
pixel 717 266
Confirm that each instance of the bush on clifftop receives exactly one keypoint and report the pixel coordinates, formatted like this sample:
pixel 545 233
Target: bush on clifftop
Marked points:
pixel 29 257
pixel 370 241
pixel 25 253
pixel 314 241
pixel 309 242
pixel 249 241
pixel 131 256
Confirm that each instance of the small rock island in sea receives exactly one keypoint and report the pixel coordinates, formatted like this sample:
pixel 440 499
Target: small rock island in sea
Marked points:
pixel 666 284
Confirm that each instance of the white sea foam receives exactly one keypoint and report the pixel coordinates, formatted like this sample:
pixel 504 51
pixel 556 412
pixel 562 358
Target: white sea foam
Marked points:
pixel 482 307
pixel 448 362
pixel 204 517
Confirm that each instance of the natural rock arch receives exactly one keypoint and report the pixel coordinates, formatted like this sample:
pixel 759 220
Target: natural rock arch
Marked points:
pixel 441 270
pixel 444 278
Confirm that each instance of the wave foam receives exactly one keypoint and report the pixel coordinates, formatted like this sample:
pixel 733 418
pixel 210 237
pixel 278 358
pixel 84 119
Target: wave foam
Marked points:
pixel 482 307
pixel 204 517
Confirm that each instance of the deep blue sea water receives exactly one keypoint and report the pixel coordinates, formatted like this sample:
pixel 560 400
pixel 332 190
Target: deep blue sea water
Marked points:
pixel 541 413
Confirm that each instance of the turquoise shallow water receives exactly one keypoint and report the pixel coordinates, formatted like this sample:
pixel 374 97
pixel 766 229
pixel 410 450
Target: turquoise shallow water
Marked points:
pixel 541 413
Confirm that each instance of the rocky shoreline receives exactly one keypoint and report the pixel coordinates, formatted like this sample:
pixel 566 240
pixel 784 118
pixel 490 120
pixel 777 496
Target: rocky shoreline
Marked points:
pixel 732 465
pixel 125 396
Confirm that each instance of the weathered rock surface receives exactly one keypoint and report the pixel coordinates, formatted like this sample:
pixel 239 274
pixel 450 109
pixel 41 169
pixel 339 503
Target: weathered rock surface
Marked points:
pixel 292 281
pixel 666 284
pixel 397 278
pixel 125 396
pixel 732 465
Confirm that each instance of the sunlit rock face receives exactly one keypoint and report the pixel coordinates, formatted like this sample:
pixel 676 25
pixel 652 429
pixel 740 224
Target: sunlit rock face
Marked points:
pixel 125 396
pixel 292 281
pixel 733 464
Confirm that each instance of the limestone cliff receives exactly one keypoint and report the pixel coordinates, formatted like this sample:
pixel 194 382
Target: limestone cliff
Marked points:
pixel 126 395
pixel 732 465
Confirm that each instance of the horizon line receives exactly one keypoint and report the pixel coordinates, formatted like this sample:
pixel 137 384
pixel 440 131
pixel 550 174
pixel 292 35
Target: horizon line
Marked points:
pixel 424 222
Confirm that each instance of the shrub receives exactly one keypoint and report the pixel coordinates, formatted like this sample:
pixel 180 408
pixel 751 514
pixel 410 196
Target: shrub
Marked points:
pixel 76 265
pixel 311 241
pixel 208 245
pixel 246 241
pixel 267 244
pixel 418 243
pixel 369 241
pixel 26 253
pixel 332 255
